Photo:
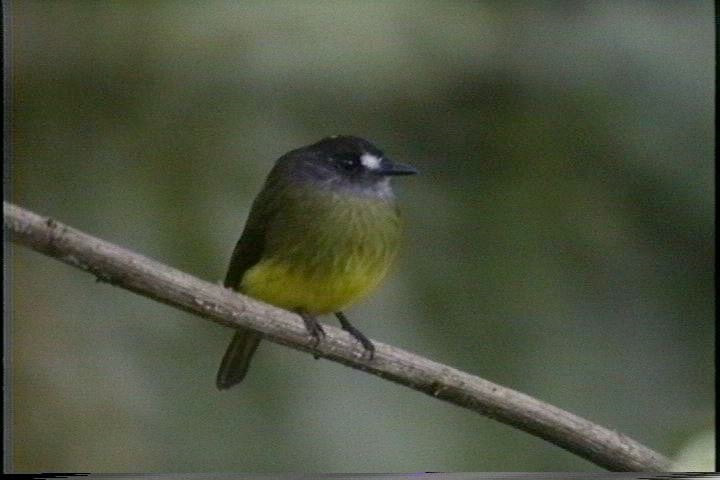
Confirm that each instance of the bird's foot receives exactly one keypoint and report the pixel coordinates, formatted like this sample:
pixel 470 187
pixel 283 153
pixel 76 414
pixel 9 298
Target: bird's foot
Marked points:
pixel 315 330
pixel 364 341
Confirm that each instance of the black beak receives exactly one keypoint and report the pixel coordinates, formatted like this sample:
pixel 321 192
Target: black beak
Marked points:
pixel 388 167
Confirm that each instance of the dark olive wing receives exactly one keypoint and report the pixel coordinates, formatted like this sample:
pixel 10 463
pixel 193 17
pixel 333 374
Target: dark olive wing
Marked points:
pixel 247 253
pixel 252 244
pixel 249 249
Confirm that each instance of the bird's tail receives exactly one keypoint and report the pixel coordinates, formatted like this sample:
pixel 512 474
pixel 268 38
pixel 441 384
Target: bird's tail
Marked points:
pixel 237 358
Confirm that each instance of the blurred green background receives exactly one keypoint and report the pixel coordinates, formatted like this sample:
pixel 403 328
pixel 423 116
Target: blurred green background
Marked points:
pixel 559 240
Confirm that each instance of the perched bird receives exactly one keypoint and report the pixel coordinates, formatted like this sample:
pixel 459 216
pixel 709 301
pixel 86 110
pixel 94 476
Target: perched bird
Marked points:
pixel 321 234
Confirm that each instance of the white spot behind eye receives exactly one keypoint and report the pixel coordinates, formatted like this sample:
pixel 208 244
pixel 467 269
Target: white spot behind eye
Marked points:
pixel 370 161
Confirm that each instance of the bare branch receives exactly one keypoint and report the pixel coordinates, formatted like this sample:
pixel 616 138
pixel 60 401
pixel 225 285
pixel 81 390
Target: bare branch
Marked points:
pixel 117 266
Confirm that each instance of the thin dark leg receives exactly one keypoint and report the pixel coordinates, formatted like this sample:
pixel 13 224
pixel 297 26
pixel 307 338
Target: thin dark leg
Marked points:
pixel 314 329
pixel 348 327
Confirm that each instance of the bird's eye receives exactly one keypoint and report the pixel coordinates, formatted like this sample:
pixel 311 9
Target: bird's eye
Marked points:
pixel 348 161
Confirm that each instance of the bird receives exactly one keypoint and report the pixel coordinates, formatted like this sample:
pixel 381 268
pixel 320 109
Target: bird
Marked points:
pixel 321 234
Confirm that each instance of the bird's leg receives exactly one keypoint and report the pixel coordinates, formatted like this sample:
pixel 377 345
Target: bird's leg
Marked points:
pixel 314 329
pixel 348 327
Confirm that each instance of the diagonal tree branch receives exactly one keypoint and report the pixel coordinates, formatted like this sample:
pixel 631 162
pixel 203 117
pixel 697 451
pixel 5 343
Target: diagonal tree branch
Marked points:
pixel 117 266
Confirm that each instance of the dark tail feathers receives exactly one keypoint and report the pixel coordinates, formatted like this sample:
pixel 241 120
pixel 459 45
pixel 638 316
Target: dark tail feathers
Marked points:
pixel 237 358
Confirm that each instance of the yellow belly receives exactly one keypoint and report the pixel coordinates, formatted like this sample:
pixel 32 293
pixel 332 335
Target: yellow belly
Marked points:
pixel 313 291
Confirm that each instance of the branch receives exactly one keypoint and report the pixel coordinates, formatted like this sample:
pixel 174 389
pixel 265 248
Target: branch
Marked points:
pixel 117 266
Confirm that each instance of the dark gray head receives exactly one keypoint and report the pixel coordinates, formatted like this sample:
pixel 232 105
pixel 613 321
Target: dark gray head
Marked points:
pixel 345 162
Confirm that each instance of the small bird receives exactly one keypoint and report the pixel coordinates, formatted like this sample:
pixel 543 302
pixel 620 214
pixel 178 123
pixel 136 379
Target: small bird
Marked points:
pixel 321 234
